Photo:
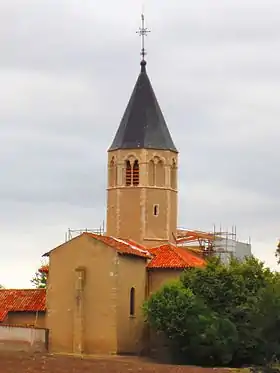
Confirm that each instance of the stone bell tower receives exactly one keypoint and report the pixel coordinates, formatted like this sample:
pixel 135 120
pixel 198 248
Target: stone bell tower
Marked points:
pixel 142 171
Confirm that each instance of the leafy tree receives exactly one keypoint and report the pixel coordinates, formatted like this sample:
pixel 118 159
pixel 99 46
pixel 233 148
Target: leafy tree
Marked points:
pixel 224 314
pixel 193 329
pixel 237 292
pixel 39 280
pixel 277 253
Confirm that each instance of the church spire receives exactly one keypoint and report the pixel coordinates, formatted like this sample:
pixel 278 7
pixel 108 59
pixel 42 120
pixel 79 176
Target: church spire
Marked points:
pixel 142 169
pixel 143 124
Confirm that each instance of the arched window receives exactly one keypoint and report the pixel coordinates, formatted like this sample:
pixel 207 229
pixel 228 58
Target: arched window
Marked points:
pixel 160 176
pixel 127 173
pixel 151 173
pixel 156 210
pixel 135 173
pixel 132 302
pixel 112 173
pixel 173 175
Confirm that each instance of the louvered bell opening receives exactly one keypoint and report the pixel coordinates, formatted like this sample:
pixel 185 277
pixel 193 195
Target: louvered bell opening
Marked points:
pixel 136 173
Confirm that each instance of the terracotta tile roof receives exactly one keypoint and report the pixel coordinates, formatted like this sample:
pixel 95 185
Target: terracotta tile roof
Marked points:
pixel 21 300
pixel 3 314
pixel 128 247
pixel 44 269
pixel 170 256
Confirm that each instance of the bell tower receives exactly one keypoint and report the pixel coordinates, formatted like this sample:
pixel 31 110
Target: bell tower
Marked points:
pixel 142 169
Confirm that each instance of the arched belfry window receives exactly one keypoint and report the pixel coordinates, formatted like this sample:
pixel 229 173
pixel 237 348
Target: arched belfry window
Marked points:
pixel 127 173
pixel 132 302
pixel 173 175
pixel 152 179
pixel 136 173
pixel 160 174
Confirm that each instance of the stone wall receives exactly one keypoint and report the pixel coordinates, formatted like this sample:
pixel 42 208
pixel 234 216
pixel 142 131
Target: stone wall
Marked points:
pixel 19 338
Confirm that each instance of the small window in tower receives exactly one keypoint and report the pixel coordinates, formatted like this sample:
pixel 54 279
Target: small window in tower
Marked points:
pixel 135 173
pixel 156 210
pixel 132 302
pixel 128 173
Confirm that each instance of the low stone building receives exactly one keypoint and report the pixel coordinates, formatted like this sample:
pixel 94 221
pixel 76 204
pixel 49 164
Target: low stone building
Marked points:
pixel 94 300
pixel 23 307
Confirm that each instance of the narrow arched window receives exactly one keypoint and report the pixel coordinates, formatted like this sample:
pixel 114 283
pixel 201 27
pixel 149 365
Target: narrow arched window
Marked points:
pixel 152 173
pixel 132 302
pixel 156 210
pixel 173 175
pixel 160 175
pixel 135 173
pixel 127 173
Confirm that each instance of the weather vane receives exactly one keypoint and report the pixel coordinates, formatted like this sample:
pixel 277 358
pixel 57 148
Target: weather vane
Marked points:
pixel 143 31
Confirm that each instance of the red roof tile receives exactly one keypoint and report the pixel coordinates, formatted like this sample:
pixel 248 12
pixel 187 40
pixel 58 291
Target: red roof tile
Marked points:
pixel 128 247
pixel 44 269
pixel 31 300
pixel 3 314
pixel 170 256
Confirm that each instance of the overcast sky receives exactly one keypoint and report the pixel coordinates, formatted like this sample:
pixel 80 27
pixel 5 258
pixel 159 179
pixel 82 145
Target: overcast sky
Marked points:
pixel 67 69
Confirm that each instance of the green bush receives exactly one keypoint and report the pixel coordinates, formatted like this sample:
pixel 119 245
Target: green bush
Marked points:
pixel 220 315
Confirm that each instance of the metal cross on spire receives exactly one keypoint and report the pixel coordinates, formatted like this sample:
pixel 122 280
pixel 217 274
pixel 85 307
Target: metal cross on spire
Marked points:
pixel 143 31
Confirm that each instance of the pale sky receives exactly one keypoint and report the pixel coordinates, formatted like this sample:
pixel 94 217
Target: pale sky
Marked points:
pixel 67 69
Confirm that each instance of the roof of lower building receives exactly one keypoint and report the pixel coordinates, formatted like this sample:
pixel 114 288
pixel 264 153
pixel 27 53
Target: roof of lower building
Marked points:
pixel 164 256
pixel 44 268
pixel 122 246
pixel 18 300
pixel 173 257
pixel 128 247
pixel 143 124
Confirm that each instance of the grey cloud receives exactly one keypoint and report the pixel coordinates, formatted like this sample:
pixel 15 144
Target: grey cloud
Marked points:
pixel 67 71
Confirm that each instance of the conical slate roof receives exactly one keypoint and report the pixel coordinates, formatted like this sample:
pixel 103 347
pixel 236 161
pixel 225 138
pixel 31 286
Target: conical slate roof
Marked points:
pixel 143 124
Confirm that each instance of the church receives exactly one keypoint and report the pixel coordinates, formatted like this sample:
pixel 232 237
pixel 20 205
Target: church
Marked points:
pixel 97 283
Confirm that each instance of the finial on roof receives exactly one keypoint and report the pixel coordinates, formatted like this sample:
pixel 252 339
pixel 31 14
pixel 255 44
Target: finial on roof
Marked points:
pixel 143 31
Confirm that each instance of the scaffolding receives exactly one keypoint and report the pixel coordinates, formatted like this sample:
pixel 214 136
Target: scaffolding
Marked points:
pixel 222 243
pixel 71 233
pixel 207 243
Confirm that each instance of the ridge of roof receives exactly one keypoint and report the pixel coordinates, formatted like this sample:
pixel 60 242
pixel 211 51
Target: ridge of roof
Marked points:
pixel 123 246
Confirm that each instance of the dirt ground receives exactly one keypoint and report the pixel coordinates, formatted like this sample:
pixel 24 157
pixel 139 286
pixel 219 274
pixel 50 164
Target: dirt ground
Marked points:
pixel 37 363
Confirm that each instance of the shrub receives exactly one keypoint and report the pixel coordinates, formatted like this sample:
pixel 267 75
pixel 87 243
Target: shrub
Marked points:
pixel 221 314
